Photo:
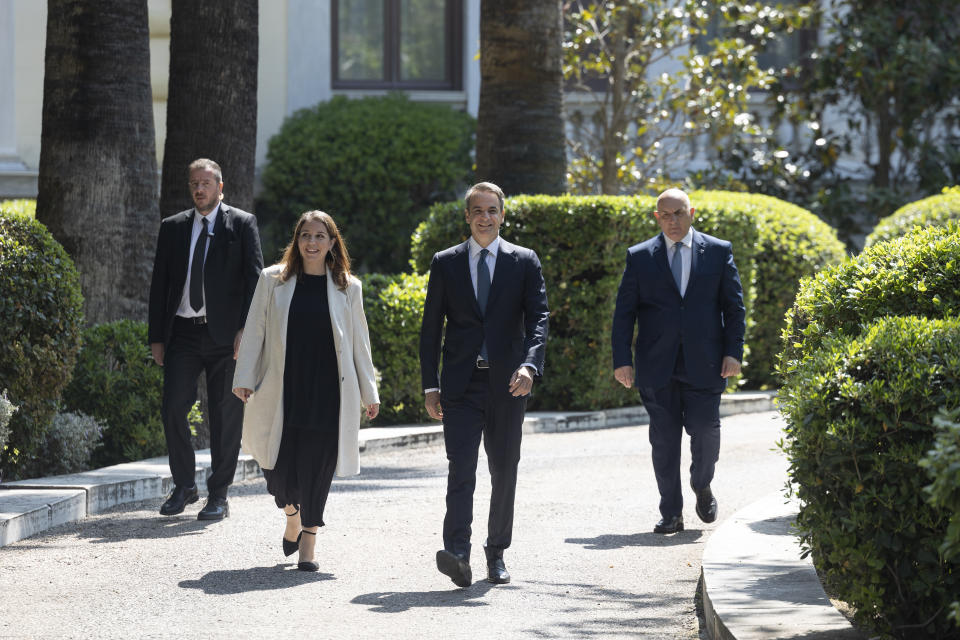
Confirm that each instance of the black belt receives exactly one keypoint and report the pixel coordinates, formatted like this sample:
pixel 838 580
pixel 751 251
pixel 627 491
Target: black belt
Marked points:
pixel 193 320
pixel 482 364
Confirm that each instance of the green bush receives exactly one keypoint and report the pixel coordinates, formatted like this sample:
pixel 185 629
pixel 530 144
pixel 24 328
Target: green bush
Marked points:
pixel 374 164
pixel 582 243
pixel 7 409
pixel 918 274
pixel 42 314
pixel 70 442
pixel 943 467
pixel 793 244
pixel 117 382
pixel 27 208
pixel 859 413
pixel 934 211
pixel 394 307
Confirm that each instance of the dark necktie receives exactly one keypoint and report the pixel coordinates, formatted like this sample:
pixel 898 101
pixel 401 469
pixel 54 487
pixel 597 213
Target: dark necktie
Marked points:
pixel 676 265
pixel 483 291
pixel 196 269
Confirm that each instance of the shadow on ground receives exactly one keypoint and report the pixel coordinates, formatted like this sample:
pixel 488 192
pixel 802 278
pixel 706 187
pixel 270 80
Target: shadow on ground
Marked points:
pixel 234 581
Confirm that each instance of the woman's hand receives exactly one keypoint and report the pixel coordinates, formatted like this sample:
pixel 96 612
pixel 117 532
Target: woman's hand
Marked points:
pixel 372 411
pixel 243 393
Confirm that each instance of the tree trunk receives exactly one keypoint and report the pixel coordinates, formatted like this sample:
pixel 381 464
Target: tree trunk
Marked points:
pixel 98 169
pixel 520 124
pixel 212 98
pixel 614 136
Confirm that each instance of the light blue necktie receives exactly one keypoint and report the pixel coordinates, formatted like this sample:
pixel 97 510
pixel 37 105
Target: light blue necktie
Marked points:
pixel 483 291
pixel 676 265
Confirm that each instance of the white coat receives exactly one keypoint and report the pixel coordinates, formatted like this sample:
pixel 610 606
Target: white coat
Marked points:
pixel 262 356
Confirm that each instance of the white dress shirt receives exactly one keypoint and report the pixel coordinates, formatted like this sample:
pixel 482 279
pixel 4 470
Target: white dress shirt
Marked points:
pixel 686 257
pixel 185 309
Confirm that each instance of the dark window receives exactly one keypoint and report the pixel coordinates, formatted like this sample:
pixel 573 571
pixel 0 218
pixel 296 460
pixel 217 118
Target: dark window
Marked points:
pixel 402 44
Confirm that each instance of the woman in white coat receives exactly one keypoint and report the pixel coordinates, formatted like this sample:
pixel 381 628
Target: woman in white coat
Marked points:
pixel 305 372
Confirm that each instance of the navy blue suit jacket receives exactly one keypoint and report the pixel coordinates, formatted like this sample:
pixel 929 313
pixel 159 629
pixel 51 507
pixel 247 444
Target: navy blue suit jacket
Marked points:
pixel 515 324
pixel 709 320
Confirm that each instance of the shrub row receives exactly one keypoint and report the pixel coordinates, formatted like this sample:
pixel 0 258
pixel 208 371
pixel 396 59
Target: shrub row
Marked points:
pixel 934 211
pixel 859 412
pixel 42 315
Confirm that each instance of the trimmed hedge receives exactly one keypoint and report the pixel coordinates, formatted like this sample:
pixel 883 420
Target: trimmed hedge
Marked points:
pixel 793 243
pixel 859 413
pixel 393 305
pixel 934 211
pixel 23 207
pixel 918 274
pixel 117 382
pixel 375 165
pixel 42 314
pixel 582 243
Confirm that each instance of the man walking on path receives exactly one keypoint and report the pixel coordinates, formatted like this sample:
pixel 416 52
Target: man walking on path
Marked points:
pixel 206 268
pixel 682 292
pixel 492 297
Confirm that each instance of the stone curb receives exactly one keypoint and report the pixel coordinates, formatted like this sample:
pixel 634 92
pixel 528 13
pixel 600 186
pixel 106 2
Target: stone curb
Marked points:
pixel 28 507
pixel 755 584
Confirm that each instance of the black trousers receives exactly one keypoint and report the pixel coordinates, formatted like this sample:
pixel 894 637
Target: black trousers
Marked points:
pixel 498 421
pixel 190 351
pixel 673 408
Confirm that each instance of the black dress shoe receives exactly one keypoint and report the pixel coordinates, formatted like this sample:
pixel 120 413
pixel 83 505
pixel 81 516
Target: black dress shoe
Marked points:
pixel 497 571
pixel 215 509
pixel 669 525
pixel 179 498
pixel 706 503
pixel 456 566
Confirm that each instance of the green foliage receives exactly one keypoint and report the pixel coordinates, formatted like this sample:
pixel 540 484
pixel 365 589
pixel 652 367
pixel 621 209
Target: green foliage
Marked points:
pixel 793 243
pixel 117 382
pixel 859 413
pixel 918 274
pixel 42 311
pixel 7 409
pixel 642 115
pixel 393 305
pixel 581 242
pixel 943 467
pixel 23 207
pixel 375 165
pixel 933 211
pixel 69 444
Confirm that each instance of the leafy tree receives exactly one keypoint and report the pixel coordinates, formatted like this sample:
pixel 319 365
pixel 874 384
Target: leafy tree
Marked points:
pixel 659 82
pixel 98 170
pixel 520 135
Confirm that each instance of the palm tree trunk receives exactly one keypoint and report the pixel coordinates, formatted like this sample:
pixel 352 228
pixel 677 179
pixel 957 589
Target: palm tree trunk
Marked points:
pixel 520 124
pixel 212 98
pixel 98 169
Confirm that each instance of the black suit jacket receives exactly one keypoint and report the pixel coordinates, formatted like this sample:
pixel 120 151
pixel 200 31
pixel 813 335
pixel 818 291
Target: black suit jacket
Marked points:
pixel 515 324
pixel 230 275
pixel 709 320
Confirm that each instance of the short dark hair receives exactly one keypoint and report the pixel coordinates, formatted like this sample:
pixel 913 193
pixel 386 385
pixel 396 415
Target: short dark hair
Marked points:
pixel 485 187
pixel 208 165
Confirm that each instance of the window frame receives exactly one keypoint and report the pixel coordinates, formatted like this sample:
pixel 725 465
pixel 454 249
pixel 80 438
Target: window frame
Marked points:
pixel 390 79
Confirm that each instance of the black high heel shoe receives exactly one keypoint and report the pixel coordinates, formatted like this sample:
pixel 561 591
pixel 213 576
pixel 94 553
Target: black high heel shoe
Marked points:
pixel 308 565
pixel 290 547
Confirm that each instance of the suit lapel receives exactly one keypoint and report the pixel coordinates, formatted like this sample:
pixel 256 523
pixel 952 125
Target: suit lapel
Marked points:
pixel 697 247
pixel 461 273
pixel 337 304
pixel 663 265
pixel 219 227
pixel 282 295
pixel 504 270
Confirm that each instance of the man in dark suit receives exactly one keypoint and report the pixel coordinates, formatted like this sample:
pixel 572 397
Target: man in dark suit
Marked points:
pixel 492 296
pixel 682 292
pixel 204 274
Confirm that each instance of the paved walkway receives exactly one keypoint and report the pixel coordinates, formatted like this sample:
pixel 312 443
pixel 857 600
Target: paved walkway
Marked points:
pixel 755 585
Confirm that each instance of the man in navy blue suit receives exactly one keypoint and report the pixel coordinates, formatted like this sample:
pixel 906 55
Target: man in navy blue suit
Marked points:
pixel 681 290
pixel 492 297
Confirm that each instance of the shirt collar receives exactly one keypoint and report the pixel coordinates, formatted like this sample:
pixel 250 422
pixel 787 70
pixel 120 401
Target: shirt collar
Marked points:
pixel 686 241
pixel 475 247
pixel 211 218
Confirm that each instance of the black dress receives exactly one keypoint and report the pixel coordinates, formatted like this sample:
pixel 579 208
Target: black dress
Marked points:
pixel 311 405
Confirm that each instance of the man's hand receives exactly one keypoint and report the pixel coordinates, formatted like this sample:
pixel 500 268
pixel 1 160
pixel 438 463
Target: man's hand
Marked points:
pixel 624 376
pixel 729 367
pixel 243 393
pixel 521 382
pixel 434 410
pixel 156 349
pixel 236 343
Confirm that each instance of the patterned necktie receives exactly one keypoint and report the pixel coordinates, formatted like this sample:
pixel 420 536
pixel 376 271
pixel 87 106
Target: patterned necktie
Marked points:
pixel 483 291
pixel 676 265
pixel 196 269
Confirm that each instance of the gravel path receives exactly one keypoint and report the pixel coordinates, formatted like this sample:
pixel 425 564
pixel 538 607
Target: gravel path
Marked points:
pixel 584 561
